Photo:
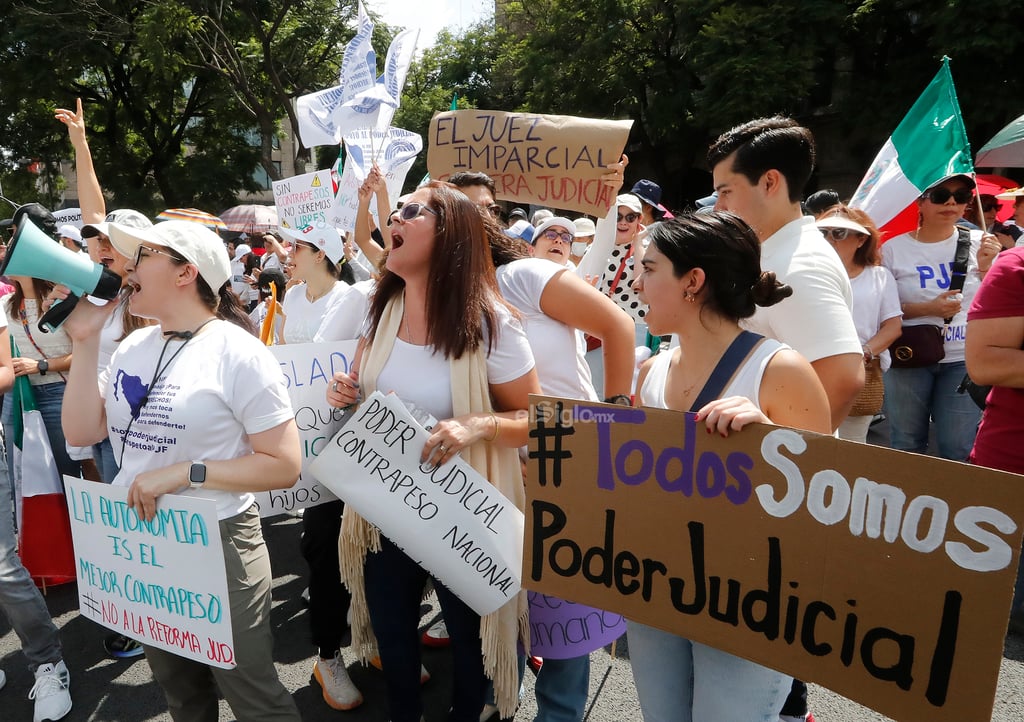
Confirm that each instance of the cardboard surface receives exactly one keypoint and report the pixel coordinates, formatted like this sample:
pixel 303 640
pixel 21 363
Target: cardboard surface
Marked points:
pixel 449 519
pixel 882 575
pixel 160 582
pixel 550 160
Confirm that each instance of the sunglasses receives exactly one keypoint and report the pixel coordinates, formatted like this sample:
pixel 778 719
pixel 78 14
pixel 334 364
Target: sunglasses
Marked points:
pixel 628 218
pixel 940 195
pixel 989 207
pixel 553 235
pixel 410 211
pixel 836 234
pixel 144 251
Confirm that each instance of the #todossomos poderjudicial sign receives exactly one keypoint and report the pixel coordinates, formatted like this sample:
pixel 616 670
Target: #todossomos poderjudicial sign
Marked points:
pixel 882 575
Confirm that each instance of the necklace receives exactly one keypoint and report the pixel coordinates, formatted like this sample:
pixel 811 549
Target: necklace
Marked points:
pixel 314 297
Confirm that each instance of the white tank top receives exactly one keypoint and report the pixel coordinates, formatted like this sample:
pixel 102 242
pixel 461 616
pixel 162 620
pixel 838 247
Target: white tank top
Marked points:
pixel 746 381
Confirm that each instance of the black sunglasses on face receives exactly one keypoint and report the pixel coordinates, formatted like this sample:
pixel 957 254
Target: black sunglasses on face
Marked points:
pixel 628 218
pixel 989 207
pixel 940 195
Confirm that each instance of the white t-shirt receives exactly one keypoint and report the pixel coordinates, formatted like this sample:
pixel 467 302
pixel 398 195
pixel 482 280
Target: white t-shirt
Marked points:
pixel 346 318
pixel 875 301
pixel 422 377
pixel 222 386
pixel 922 272
pixel 240 286
pixel 302 318
pixel 269 261
pixel 816 320
pixel 561 365
pixel 53 344
pixel 113 329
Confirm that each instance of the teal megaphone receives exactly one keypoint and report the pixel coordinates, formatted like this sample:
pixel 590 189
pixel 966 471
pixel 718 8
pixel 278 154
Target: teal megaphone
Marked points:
pixel 34 254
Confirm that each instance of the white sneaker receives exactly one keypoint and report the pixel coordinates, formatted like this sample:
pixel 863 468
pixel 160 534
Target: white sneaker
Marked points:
pixel 339 690
pixel 51 692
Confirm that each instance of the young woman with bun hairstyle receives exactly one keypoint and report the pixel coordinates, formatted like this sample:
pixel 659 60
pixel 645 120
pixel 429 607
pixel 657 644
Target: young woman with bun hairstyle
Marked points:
pixel 702 276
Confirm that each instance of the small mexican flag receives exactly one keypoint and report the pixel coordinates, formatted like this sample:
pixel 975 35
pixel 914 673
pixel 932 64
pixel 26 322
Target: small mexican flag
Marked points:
pixel 929 144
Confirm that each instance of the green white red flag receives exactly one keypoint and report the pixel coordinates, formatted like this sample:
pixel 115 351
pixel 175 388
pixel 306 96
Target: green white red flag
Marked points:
pixel 929 144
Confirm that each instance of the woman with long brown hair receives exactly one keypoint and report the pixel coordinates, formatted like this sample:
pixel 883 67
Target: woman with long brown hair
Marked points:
pixel 440 337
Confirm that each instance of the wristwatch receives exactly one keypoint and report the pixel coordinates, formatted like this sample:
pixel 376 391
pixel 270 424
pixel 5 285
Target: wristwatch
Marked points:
pixel 44 366
pixel 197 474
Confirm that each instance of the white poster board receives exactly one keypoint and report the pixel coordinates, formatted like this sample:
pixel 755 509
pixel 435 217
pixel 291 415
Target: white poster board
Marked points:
pixel 449 519
pixel 160 582
pixel 306 200
pixel 307 369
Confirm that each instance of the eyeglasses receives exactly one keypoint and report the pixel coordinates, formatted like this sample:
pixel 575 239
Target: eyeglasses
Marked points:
pixel 308 246
pixel 139 254
pixel 552 235
pixel 410 211
pixel 628 218
pixel 835 234
pixel 940 195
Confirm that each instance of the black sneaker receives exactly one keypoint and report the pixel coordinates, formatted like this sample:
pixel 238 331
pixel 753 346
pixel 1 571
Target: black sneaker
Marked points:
pixel 119 646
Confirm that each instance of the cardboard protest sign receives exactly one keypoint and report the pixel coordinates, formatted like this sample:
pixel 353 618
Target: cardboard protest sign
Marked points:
pixel 308 369
pixel 449 519
pixel 560 629
pixel 394 150
pixel 550 160
pixel 161 582
pixel 883 575
pixel 306 200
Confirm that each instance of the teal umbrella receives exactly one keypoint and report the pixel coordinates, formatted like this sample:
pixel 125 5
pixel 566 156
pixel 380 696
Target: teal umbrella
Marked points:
pixel 1005 150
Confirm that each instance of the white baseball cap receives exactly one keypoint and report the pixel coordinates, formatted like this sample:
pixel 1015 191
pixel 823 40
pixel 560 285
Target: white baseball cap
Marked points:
pixel 196 243
pixel 325 239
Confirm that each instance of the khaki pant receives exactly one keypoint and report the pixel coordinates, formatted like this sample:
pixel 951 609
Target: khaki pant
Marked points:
pixel 252 689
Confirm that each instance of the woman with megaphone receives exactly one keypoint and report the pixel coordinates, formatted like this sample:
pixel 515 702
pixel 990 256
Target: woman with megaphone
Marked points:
pixel 229 429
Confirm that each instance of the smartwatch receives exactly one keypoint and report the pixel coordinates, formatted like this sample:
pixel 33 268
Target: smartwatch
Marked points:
pixel 197 474
pixel 44 366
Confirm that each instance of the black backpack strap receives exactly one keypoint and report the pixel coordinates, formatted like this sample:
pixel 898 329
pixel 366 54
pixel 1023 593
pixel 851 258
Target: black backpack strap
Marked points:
pixel 958 268
pixel 738 352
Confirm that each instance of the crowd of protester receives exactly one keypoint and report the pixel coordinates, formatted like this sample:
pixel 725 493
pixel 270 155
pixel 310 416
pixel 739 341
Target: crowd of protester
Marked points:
pixel 463 307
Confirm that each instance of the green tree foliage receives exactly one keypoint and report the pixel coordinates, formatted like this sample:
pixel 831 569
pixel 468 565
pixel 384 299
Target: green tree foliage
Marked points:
pixel 173 91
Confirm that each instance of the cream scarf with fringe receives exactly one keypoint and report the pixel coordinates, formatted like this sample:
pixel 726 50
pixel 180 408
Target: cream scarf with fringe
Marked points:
pixel 500 630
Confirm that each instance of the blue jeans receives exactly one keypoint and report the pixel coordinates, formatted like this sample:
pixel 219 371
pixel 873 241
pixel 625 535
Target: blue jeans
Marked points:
pixel 103 455
pixel 49 399
pixel 19 598
pixel 916 397
pixel 394 588
pixel 561 689
pixel 682 681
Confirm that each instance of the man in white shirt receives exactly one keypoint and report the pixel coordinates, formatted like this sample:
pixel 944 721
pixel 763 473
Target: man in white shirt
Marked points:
pixel 760 169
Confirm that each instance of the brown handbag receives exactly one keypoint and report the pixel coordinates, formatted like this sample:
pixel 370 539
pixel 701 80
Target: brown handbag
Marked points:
pixel 917 346
pixel 869 400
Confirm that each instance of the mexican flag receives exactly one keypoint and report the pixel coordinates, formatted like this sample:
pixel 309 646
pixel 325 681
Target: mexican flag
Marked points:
pixel 44 527
pixel 929 144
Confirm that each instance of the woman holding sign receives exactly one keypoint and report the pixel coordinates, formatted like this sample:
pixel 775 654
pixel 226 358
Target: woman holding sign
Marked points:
pixel 440 337
pixel 701 276
pixel 195 405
